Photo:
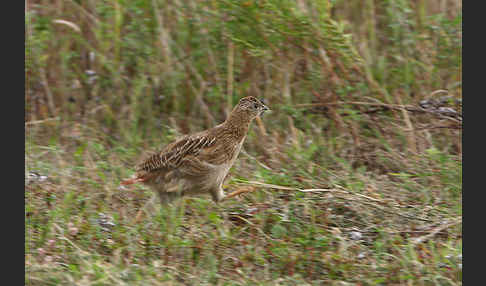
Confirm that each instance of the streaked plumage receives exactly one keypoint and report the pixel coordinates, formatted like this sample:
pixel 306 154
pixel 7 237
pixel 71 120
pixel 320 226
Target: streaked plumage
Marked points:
pixel 198 163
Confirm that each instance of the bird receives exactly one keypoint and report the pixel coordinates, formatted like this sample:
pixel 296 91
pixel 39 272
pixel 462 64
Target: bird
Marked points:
pixel 198 163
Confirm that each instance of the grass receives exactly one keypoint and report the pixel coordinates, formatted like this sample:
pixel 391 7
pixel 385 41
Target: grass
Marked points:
pixel 349 179
pixel 265 236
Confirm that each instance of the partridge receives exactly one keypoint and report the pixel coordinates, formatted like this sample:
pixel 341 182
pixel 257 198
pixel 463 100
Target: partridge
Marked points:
pixel 198 163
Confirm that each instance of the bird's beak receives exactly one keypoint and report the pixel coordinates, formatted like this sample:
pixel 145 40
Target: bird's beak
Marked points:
pixel 263 109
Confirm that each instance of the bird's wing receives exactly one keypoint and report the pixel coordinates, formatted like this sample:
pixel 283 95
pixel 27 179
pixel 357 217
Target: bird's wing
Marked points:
pixel 221 153
pixel 177 152
pixel 208 159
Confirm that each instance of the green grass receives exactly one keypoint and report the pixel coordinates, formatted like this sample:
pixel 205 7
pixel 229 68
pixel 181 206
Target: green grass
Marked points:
pixel 120 79
pixel 261 237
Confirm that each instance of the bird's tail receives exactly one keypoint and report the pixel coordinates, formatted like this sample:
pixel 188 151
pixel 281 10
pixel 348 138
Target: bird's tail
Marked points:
pixel 139 178
pixel 133 181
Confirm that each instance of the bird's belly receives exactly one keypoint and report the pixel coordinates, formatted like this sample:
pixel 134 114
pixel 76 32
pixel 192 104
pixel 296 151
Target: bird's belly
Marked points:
pixel 188 183
pixel 191 185
pixel 222 170
pixel 215 178
pixel 220 173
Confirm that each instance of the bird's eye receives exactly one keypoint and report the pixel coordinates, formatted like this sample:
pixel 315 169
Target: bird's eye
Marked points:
pixel 255 105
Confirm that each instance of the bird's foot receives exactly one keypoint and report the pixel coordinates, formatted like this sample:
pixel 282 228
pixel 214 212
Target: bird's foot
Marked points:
pixel 239 191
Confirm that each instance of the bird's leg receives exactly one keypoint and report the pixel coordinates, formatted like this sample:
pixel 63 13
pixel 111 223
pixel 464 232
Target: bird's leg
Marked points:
pixel 163 194
pixel 168 197
pixel 148 208
pixel 164 198
pixel 217 194
pixel 239 191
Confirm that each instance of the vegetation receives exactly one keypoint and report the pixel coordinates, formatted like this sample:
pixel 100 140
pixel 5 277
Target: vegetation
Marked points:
pixel 354 178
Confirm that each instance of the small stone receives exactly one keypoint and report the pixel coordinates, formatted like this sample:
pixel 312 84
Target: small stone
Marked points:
pixel 105 222
pixel 442 265
pixel 90 72
pixel 34 177
pixel 356 235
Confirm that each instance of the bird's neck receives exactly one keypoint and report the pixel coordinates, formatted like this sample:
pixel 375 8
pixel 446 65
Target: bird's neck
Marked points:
pixel 239 123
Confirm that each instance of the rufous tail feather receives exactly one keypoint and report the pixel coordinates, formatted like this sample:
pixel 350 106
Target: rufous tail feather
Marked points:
pixel 132 181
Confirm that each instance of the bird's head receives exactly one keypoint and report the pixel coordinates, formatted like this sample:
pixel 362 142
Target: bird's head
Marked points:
pixel 252 106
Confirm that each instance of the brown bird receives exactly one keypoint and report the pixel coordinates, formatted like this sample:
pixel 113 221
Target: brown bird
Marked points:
pixel 198 163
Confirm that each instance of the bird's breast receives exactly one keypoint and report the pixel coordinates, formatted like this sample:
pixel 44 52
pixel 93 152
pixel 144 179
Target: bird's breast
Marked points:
pixel 221 170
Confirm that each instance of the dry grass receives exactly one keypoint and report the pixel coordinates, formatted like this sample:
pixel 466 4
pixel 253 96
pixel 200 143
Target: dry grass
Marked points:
pixel 354 177
pixel 295 222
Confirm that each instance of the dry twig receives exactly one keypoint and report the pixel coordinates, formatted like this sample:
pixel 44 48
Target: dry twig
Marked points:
pixel 436 230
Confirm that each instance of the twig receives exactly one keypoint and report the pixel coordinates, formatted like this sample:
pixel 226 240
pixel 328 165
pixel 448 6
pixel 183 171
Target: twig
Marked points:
pixel 41 121
pixel 238 192
pixel 69 24
pixel 396 213
pixel 285 188
pixel 334 190
pixel 412 141
pixel 438 127
pixel 317 190
pixel 438 91
pixel 357 194
pixel 436 230
pixel 410 108
pixel 271 186
pixel 68 240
